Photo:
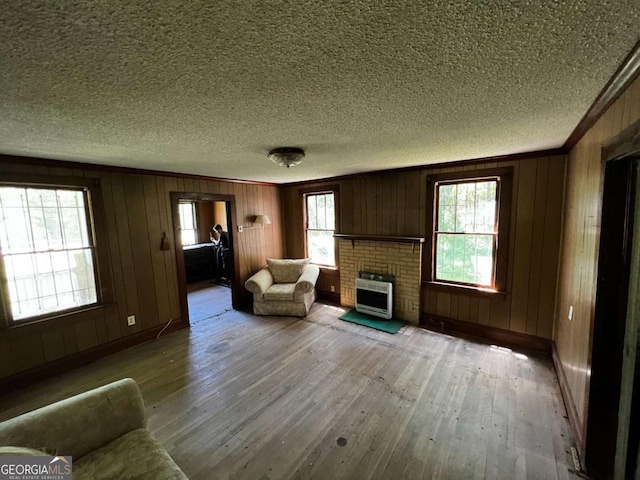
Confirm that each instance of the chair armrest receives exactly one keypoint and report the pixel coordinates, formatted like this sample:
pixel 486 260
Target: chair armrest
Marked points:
pixel 259 282
pixel 80 424
pixel 308 279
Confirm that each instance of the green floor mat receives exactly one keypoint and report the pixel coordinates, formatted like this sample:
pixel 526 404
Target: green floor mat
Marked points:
pixel 389 326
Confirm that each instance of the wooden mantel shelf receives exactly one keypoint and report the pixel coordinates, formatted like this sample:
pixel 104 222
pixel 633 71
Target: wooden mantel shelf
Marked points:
pixel 379 238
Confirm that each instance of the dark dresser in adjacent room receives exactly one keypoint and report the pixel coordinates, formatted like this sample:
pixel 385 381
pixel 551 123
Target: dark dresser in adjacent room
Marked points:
pixel 200 261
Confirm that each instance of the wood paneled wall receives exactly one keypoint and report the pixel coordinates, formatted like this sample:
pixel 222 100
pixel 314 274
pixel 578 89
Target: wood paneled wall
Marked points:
pixel 206 220
pixel 395 204
pixel 580 243
pixel 137 210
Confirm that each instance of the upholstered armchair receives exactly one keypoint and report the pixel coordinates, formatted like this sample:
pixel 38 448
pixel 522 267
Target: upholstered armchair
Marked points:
pixel 284 287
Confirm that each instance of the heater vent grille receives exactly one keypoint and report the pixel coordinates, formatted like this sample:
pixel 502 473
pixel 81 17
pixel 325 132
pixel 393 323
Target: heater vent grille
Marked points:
pixel 374 298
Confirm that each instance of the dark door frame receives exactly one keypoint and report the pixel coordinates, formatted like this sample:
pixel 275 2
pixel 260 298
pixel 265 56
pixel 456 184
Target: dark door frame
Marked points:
pixel 607 339
pixel 230 200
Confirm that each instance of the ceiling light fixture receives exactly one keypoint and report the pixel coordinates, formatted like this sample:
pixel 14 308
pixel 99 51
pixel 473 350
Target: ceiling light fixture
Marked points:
pixel 286 156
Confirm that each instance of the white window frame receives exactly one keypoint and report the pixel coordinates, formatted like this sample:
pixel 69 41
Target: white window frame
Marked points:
pixel 94 217
pixel 194 215
pixel 316 193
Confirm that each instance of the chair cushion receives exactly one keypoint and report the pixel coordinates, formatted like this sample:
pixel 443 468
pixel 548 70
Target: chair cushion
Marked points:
pixel 280 291
pixel 135 455
pixel 287 271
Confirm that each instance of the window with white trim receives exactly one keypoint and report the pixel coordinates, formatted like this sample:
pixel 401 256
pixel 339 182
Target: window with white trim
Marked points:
pixel 466 231
pixel 469 213
pixel 188 223
pixel 47 249
pixel 320 225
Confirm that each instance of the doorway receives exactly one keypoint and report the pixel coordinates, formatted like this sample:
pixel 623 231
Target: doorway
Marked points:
pixel 612 430
pixel 614 267
pixel 207 264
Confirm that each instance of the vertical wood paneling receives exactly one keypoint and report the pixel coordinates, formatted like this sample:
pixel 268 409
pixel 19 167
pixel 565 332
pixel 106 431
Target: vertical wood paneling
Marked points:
pixel 137 210
pixel 154 235
pixel 484 317
pixel 500 311
pixel 114 325
pixel 395 204
pixel 536 275
pixel 454 302
pixel 70 338
pixel 170 185
pixel 369 206
pixel 168 257
pixel 141 251
pixel 400 202
pixel 463 308
pixel 522 250
pixel 354 206
pixel 580 243
pixel 86 334
pixel 385 205
pixel 126 256
pixel 413 208
pixel 27 350
pixel 101 328
pixel 550 256
pixel 345 205
pixel 443 306
pixel 393 194
pixel 53 345
pixel 473 309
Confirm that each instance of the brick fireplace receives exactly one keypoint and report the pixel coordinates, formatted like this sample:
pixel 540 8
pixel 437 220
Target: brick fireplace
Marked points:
pixel 397 256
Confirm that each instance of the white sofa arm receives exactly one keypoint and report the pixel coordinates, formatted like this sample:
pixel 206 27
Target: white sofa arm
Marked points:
pixel 259 282
pixel 308 279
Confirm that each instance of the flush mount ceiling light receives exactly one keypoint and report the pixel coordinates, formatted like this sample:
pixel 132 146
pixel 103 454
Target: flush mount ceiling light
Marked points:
pixel 286 156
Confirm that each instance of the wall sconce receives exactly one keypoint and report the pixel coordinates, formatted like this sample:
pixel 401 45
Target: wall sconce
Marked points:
pixel 262 220
pixel 165 244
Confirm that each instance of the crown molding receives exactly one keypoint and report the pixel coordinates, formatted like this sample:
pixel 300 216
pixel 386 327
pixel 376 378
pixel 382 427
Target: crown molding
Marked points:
pixel 48 162
pixel 457 163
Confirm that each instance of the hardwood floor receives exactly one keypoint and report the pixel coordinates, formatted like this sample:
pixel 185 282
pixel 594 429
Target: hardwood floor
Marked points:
pixel 207 300
pixel 246 397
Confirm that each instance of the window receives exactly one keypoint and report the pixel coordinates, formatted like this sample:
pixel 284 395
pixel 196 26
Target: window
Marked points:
pixel 470 218
pixel 320 227
pixel 48 249
pixel 188 223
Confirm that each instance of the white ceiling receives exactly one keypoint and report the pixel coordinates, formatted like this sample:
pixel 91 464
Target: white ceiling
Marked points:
pixel 209 87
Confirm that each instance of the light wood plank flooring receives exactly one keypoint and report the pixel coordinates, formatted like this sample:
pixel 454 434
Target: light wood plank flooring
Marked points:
pixel 246 397
pixel 207 300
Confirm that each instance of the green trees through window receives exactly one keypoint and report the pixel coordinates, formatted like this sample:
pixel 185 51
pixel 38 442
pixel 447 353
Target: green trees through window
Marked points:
pixel 320 227
pixel 466 231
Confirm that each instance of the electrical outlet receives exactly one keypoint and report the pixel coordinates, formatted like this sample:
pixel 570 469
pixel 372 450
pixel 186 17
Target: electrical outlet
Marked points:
pixel 240 228
pixel 131 320
pixel 570 316
pixel 333 289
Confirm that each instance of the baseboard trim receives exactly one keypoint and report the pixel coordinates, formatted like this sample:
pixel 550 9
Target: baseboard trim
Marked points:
pixel 47 370
pixel 498 335
pixel 569 405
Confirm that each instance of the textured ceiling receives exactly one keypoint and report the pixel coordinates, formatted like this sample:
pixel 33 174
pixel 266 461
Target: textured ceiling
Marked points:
pixel 209 87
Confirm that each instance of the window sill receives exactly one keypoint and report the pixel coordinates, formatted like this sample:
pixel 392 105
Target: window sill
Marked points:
pixel 326 268
pixel 464 290
pixel 56 320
